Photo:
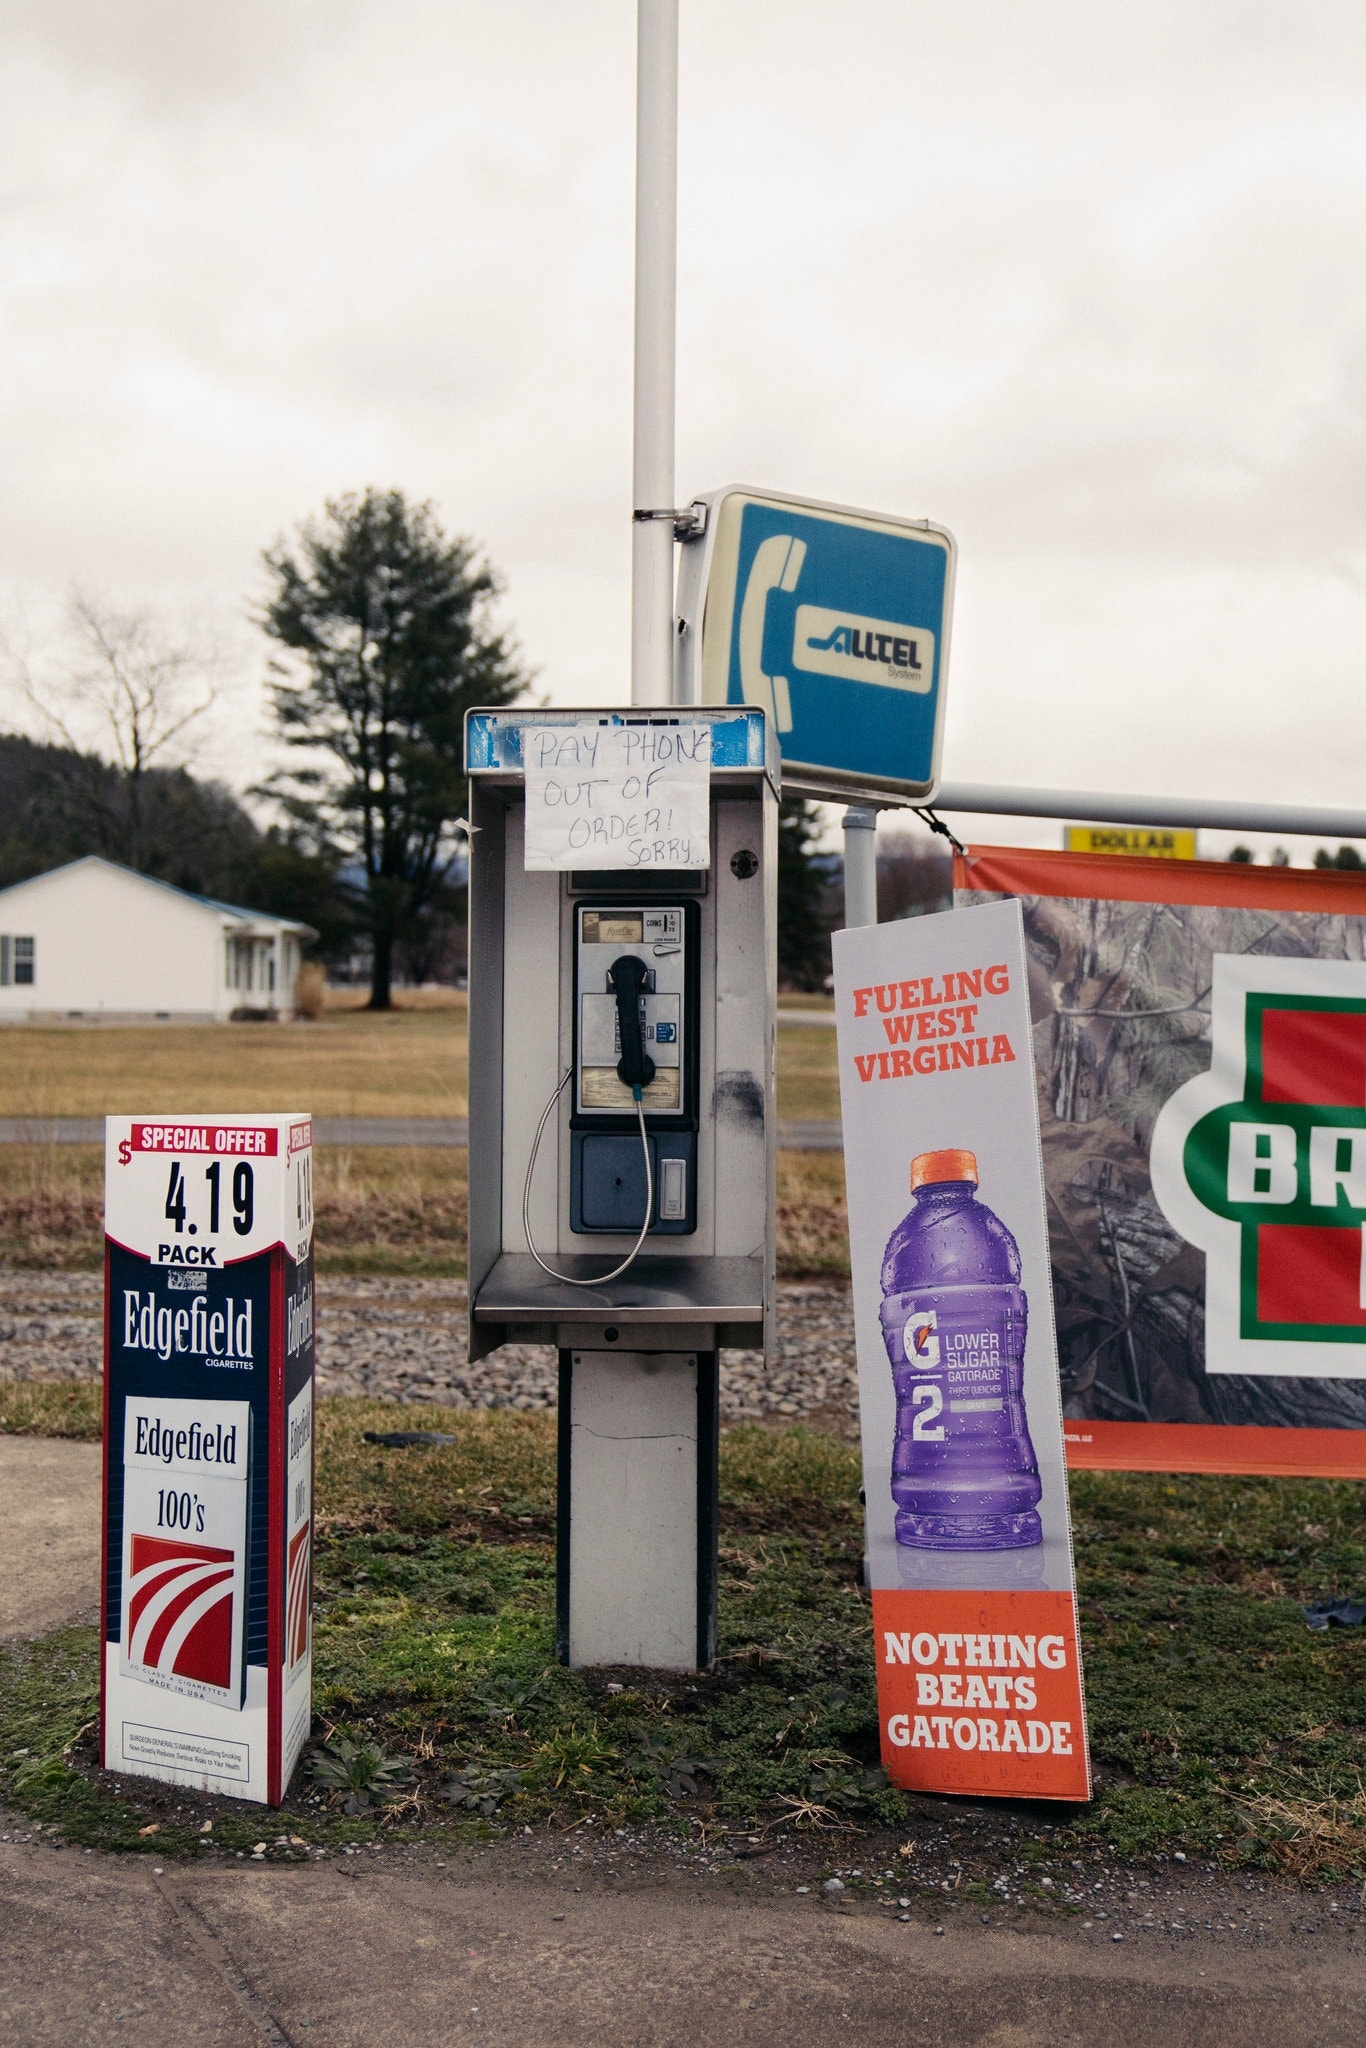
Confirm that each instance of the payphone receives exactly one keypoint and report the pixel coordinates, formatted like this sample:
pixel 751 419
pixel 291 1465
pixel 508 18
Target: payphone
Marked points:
pixel 622 1166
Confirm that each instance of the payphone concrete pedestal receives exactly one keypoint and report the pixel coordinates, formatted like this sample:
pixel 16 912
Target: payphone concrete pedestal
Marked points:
pixel 639 1352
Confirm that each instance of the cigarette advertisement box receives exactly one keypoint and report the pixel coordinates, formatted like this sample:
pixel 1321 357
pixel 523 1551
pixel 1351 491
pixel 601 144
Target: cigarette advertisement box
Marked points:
pixel 969 1538
pixel 207 1675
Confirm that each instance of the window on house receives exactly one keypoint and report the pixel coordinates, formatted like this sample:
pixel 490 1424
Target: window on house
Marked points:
pixel 16 961
pixel 239 963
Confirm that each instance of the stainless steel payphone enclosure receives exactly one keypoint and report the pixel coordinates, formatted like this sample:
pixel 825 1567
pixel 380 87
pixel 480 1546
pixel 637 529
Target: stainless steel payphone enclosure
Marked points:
pixel 523 933
pixel 638 1354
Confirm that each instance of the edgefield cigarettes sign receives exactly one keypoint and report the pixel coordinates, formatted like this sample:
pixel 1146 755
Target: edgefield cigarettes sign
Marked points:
pixel 207 1674
pixel 969 1544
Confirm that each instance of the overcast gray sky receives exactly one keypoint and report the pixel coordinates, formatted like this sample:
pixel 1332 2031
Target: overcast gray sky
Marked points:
pixel 1084 281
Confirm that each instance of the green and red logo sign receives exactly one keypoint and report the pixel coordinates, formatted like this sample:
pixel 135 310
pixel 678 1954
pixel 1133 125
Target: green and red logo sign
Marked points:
pixel 1262 1163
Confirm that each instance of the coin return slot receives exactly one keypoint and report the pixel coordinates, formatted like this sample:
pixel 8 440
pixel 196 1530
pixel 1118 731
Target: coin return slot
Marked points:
pixel 673 1190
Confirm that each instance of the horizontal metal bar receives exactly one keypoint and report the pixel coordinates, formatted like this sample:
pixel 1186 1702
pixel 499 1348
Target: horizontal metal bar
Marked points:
pixel 815 1134
pixel 1086 806
pixel 447 1131
pixel 452 1131
pixel 810 1134
pixel 51 1130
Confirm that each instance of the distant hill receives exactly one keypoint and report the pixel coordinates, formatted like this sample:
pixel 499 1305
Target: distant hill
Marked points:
pixel 57 804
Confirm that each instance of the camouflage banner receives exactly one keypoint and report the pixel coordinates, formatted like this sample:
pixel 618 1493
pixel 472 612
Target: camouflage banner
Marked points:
pixel 1200 1041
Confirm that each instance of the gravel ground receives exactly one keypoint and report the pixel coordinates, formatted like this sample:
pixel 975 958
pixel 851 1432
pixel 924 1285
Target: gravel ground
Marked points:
pixel 404 1340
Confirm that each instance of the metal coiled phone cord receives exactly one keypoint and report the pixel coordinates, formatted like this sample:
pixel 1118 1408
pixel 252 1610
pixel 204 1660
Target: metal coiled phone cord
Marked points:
pixel 601 1278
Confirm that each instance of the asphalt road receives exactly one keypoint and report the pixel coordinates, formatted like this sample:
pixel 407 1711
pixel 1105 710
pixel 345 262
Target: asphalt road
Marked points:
pixel 397 1953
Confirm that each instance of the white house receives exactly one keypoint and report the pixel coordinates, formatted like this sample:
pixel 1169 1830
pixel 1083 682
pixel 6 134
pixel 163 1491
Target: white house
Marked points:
pixel 94 940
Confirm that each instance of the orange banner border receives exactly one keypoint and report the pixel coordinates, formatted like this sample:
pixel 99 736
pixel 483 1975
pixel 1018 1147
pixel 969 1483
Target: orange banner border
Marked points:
pixel 1132 878
pixel 1288 1452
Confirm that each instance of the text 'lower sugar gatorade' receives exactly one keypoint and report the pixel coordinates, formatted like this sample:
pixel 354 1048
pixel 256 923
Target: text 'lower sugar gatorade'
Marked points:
pixel 954 1319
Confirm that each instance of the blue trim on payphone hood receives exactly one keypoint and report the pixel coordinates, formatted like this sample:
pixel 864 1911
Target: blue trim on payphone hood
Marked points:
pixel 493 739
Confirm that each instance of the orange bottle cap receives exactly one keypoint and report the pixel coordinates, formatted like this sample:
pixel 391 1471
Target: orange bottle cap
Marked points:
pixel 933 1166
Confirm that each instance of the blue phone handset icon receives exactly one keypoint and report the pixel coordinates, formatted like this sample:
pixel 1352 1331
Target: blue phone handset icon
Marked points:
pixel 777 565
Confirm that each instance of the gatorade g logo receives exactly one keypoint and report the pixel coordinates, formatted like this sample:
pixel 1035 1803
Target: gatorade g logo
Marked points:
pixel 920 1339
pixel 1262 1162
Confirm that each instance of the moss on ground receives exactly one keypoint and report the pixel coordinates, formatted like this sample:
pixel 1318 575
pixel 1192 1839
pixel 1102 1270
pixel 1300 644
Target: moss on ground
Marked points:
pixel 1220 1724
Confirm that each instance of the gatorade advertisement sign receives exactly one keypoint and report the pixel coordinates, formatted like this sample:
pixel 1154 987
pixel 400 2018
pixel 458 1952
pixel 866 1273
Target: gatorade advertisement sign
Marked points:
pixel 968 1530
pixel 208 1451
pixel 1200 1037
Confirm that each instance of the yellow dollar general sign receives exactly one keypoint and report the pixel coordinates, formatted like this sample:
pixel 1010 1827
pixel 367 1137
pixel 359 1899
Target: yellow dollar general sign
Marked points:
pixel 1152 842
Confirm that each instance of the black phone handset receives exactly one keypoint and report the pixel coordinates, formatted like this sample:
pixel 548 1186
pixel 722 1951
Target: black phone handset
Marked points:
pixel 627 978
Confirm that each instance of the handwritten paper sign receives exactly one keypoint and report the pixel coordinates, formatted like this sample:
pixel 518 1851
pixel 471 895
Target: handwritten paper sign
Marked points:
pixel 617 796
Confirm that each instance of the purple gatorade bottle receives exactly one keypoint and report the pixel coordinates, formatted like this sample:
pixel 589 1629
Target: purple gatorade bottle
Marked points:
pixel 964 1474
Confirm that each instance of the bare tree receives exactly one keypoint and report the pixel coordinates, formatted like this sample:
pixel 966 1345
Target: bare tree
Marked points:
pixel 129 689
pixel 914 874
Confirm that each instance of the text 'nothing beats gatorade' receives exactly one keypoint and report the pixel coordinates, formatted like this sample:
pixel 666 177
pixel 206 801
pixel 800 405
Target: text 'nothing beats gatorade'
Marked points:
pixel 954 1315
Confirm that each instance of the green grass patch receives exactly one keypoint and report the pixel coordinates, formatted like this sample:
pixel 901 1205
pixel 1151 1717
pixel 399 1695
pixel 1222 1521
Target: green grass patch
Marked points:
pixel 1219 1720
pixel 52 1408
pixel 1221 1725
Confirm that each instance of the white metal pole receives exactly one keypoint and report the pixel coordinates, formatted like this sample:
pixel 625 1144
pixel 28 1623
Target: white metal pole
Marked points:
pixel 1105 807
pixel 652 538
pixel 860 867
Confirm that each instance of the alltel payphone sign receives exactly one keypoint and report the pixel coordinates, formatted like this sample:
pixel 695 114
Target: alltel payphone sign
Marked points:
pixel 836 623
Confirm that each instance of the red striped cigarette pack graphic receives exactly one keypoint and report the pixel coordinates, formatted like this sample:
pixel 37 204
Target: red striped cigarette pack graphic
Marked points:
pixel 180 1609
pixel 299 1606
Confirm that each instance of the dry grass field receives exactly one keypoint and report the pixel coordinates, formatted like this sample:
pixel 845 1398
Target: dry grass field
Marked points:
pixel 808 1081
pixel 410 1062
pixel 379 1210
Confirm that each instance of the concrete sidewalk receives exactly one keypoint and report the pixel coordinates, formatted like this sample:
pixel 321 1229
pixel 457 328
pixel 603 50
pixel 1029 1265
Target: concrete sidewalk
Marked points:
pixel 49 1533
pixel 399 1953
